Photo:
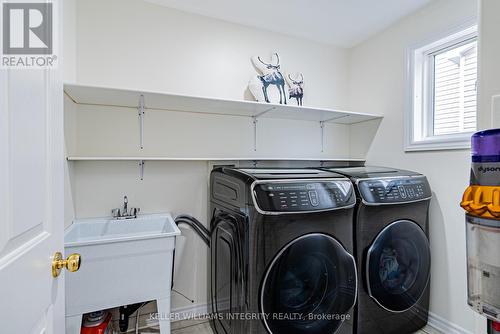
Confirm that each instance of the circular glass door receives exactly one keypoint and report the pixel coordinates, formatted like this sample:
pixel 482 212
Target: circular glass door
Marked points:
pixel 398 266
pixel 309 288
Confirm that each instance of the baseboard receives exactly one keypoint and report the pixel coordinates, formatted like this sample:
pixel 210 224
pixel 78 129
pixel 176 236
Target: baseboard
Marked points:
pixel 190 311
pixel 445 326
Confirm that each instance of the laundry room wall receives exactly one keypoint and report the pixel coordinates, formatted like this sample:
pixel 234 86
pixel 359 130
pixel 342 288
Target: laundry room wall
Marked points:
pixel 138 45
pixel 377 81
pixel 489 66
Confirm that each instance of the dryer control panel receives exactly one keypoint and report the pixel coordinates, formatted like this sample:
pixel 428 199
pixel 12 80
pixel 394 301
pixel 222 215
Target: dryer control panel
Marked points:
pixel 394 190
pixel 302 196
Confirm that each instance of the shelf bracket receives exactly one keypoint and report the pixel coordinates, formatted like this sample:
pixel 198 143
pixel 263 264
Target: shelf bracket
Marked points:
pixel 335 118
pixel 264 112
pixel 141 169
pixel 255 121
pixel 322 127
pixel 140 110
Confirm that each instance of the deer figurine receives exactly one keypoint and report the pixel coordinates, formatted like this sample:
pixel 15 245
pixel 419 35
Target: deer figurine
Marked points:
pixel 296 89
pixel 271 76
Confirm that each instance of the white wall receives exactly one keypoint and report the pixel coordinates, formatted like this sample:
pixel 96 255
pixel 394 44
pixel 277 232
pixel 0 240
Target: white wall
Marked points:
pixel 69 40
pixel 139 45
pixel 378 84
pixel 489 68
pixel 136 44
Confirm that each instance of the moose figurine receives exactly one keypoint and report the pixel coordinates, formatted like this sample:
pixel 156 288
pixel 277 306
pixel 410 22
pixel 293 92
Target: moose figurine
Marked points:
pixel 262 86
pixel 296 89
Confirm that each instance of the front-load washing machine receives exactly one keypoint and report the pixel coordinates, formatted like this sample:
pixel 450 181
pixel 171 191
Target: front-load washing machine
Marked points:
pixel 391 249
pixel 281 252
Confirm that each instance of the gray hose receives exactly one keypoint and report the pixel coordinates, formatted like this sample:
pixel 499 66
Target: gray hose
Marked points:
pixel 196 225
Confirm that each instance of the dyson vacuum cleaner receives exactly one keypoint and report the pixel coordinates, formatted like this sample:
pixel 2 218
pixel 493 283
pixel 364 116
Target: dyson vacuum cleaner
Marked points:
pixel 481 201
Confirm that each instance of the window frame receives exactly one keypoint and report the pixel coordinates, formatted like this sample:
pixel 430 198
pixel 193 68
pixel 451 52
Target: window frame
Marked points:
pixel 419 114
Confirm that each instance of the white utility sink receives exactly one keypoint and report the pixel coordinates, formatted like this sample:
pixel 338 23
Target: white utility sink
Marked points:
pixel 123 262
pixel 107 230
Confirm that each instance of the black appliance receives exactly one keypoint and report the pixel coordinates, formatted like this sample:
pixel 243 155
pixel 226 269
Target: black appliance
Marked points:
pixel 391 249
pixel 280 258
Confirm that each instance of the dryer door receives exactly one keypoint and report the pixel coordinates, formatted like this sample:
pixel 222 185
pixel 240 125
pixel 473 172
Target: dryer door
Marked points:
pixel 398 266
pixel 310 287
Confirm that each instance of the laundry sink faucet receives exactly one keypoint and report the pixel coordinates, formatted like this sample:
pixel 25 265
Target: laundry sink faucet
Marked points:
pixel 124 212
pixel 125 204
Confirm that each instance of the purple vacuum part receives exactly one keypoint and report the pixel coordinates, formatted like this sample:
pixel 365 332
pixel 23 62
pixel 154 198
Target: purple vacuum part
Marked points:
pixel 486 145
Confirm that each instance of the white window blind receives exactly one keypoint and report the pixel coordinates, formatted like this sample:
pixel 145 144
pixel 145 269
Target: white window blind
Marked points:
pixel 455 77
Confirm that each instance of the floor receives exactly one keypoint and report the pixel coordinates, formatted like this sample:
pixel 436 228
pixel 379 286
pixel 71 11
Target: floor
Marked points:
pixel 203 327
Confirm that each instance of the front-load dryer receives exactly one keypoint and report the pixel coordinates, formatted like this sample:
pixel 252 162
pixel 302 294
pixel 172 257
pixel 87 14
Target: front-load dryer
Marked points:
pixel 281 252
pixel 391 249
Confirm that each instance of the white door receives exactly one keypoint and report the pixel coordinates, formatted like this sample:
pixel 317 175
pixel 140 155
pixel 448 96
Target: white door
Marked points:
pixel 31 201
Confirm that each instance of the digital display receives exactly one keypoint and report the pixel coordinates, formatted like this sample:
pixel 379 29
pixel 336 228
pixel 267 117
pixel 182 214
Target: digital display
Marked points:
pixel 398 190
pixel 311 196
pixel 288 187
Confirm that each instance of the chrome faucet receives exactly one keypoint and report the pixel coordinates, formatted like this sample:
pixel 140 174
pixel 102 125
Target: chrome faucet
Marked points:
pixel 124 212
pixel 125 204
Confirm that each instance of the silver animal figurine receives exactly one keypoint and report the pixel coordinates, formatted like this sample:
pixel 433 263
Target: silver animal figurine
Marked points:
pixel 271 75
pixel 296 89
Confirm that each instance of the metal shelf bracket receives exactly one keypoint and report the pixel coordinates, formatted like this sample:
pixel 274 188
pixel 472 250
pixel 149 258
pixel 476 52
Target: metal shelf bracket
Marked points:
pixel 140 110
pixel 264 112
pixel 322 127
pixel 141 169
pixel 255 121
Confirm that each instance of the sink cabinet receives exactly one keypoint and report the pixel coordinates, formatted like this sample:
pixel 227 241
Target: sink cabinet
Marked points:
pixel 123 262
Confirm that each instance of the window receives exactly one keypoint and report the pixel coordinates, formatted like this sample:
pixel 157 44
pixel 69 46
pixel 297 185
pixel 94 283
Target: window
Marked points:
pixel 443 92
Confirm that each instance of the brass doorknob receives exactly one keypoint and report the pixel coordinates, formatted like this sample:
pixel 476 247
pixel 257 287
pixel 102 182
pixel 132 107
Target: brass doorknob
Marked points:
pixel 72 263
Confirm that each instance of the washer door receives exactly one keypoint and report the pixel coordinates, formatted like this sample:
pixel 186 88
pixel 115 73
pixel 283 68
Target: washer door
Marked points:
pixel 309 287
pixel 398 266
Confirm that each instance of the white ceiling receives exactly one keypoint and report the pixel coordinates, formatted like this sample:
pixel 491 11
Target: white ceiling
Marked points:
pixel 339 22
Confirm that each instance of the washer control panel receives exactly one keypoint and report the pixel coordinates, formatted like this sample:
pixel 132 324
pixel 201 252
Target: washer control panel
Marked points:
pixel 393 191
pixel 297 196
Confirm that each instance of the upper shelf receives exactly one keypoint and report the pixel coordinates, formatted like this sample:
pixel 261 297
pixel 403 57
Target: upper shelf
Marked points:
pixel 93 95
pixel 141 158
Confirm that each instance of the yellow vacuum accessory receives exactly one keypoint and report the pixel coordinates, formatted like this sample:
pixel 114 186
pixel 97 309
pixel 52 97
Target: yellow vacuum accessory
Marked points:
pixel 482 201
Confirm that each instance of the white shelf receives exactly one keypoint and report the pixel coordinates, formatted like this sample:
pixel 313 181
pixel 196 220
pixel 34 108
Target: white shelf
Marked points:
pixel 105 96
pixel 88 158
